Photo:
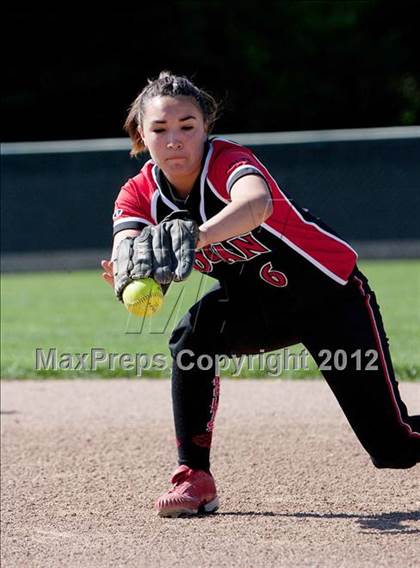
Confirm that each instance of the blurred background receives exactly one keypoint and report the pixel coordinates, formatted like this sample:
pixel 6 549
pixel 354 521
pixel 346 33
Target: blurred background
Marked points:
pixel 326 93
pixel 279 65
pixel 282 66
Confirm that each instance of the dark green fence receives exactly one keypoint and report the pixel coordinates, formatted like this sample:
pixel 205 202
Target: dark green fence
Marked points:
pixel 368 189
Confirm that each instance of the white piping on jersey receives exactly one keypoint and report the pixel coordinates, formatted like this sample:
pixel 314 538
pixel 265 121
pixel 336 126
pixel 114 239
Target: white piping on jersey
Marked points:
pixel 312 260
pixel 216 193
pixel 317 227
pixel 281 193
pixel 153 205
pixel 211 186
pixel 129 219
pixel 164 198
pixel 203 183
pixel 289 243
pixel 282 237
pixel 236 170
pixel 320 229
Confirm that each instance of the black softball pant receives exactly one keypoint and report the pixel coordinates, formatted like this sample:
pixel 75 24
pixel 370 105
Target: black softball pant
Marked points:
pixel 345 328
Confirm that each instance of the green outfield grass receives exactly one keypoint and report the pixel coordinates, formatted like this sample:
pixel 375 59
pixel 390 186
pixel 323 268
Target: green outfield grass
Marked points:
pixel 74 312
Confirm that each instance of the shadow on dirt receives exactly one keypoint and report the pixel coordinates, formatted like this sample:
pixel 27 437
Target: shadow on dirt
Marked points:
pixel 390 523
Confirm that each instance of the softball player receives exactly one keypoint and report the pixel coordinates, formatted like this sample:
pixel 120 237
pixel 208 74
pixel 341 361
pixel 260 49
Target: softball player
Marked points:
pixel 210 203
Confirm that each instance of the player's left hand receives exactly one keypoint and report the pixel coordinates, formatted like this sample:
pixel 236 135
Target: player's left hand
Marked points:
pixel 174 241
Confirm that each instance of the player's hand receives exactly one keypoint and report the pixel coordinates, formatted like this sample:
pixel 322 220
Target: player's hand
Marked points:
pixel 122 265
pixel 174 241
pixel 108 275
pixel 164 252
pixel 143 258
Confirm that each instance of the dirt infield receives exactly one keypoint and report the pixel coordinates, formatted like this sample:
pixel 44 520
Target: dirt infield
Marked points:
pixel 84 460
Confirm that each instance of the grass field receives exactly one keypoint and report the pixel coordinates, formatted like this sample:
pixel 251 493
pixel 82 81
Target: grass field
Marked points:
pixel 74 312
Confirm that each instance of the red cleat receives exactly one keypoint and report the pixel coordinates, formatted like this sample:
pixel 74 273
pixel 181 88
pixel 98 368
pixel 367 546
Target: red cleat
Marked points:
pixel 194 492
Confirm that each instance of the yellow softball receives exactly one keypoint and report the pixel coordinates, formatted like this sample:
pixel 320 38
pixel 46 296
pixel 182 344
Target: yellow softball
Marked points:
pixel 143 297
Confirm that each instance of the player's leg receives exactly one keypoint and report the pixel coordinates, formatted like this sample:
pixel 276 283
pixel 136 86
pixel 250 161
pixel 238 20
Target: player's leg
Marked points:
pixel 351 348
pixel 195 383
pixel 217 325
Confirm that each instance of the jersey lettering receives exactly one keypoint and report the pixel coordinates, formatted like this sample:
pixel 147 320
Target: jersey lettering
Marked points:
pixel 249 245
pixel 225 254
pixel 211 255
pixel 274 277
pixel 201 263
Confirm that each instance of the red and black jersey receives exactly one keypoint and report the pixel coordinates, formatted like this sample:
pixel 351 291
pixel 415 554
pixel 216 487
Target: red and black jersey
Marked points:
pixel 291 249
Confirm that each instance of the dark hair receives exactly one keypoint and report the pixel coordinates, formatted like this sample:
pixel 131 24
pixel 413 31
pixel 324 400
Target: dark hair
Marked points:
pixel 167 85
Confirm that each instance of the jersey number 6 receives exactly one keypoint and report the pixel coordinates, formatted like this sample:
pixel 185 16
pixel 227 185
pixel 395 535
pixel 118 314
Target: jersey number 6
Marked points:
pixel 273 277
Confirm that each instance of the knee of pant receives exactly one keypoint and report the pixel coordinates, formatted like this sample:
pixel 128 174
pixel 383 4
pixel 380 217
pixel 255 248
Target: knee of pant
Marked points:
pixel 185 336
pixel 397 462
pixel 178 339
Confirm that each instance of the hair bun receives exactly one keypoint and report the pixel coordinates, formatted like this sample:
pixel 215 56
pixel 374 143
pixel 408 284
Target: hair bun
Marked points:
pixel 165 75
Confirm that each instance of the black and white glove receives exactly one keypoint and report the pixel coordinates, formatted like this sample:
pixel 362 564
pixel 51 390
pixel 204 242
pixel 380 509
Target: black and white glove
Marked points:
pixel 164 252
pixel 134 260
pixel 122 265
pixel 174 241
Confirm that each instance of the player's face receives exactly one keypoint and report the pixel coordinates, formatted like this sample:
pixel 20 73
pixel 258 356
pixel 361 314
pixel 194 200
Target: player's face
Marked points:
pixel 174 132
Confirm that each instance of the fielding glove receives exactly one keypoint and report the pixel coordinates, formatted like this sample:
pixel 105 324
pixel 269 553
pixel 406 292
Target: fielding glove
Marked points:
pixel 174 241
pixel 134 260
pixel 122 265
pixel 143 256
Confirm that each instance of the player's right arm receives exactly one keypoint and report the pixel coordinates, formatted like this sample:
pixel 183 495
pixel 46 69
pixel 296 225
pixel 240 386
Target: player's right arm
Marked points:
pixel 250 205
